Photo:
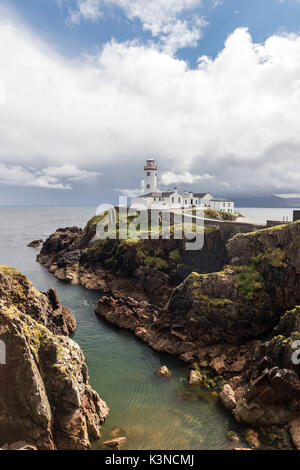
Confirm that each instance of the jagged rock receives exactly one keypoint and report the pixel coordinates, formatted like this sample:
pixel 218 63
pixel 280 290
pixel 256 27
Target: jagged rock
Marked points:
pixel 16 289
pixel 68 320
pixel 47 401
pixel 210 306
pixel 218 364
pixel 227 397
pixel 35 243
pixel 116 443
pixel 271 390
pixel 238 365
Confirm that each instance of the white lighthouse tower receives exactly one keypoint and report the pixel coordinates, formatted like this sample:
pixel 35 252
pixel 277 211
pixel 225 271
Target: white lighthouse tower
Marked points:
pixel 150 175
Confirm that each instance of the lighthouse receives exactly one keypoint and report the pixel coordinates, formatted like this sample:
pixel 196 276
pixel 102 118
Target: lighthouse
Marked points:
pixel 174 198
pixel 150 175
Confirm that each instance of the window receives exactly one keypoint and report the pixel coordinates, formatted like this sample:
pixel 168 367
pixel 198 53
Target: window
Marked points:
pixel 179 199
pixel 148 186
pixel 155 199
pixel 160 198
pixel 185 201
pixel 192 201
pixel 148 174
pixel 173 199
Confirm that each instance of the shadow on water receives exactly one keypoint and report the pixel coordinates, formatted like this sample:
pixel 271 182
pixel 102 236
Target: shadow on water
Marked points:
pixel 155 413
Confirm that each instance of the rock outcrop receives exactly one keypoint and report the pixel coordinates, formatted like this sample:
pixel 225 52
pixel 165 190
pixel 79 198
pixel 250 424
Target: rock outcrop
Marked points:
pixel 147 269
pixel 45 308
pixel 35 243
pixel 46 402
pixel 270 390
pixel 234 322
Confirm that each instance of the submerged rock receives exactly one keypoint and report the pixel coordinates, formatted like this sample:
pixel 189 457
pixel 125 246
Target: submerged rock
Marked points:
pixel 232 436
pixel 252 439
pixel 47 401
pixel 116 443
pixel 164 372
pixel 195 377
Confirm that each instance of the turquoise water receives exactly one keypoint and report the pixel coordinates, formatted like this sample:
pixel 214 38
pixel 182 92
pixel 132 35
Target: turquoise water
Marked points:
pixel 154 413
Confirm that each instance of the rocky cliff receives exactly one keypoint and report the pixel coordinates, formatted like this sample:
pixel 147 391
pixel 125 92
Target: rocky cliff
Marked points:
pixel 228 316
pixel 45 398
pixel 235 323
pixel 147 268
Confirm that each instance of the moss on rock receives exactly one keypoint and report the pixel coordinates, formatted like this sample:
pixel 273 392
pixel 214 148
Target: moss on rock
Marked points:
pixel 248 281
pixel 275 257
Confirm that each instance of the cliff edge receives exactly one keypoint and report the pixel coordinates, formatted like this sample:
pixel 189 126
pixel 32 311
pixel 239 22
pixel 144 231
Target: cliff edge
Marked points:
pixel 47 402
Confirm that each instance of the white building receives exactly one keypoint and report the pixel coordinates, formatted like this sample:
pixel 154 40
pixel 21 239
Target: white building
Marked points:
pixel 175 199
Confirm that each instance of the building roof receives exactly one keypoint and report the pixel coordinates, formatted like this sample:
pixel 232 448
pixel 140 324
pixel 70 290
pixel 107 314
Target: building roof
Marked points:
pixel 169 193
pixel 201 195
pixel 221 200
pixel 158 194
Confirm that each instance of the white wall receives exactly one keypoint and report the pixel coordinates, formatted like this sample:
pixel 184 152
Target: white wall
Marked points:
pixel 150 177
pixel 177 200
pixel 226 206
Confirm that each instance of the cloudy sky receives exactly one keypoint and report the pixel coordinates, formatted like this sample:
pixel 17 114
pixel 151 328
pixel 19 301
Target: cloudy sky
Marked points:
pixel 91 88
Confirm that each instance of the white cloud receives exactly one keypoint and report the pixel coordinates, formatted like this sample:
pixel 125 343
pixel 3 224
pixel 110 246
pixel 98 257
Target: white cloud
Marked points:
pixel 174 22
pixel 170 177
pixel 235 117
pixel 19 176
pixel 289 196
pixel 86 9
pixel 50 177
pixel 71 172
